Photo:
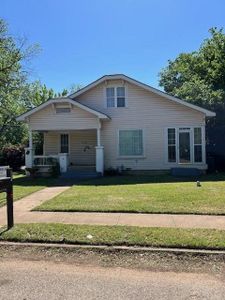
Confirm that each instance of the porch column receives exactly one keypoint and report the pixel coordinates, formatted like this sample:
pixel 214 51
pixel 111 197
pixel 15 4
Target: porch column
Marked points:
pixel 29 152
pixel 99 153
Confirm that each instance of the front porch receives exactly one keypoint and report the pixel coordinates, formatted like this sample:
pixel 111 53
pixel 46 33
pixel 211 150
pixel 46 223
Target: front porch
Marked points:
pixel 73 150
pixel 72 134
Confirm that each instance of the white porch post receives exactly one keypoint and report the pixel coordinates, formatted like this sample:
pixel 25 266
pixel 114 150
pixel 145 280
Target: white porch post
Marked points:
pixel 99 153
pixel 29 152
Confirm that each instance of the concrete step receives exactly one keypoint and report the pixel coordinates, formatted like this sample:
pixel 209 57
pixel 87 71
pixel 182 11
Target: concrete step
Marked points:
pixel 82 169
pixel 84 172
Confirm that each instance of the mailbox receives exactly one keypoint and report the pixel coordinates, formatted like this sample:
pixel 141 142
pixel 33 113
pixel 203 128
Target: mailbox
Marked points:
pixel 6 185
pixel 3 171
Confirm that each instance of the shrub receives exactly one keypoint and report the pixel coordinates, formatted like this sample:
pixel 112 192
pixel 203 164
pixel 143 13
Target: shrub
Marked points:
pixel 13 156
pixel 112 172
pixel 32 171
pixel 55 170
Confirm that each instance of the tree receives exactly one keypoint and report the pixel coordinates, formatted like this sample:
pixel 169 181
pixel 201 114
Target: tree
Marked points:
pixel 17 94
pixel 199 76
pixel 13 77
pixel 74 88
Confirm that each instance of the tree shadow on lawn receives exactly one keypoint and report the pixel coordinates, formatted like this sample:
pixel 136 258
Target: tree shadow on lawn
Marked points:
pixel 115 180
pixel 40 181
pixel 144 179
pixel 44 181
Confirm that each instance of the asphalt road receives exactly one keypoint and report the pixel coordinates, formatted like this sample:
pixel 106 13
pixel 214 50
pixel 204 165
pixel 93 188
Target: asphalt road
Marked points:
pixel 21 279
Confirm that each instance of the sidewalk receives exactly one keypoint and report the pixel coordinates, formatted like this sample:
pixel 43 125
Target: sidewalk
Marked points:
pixel 22 214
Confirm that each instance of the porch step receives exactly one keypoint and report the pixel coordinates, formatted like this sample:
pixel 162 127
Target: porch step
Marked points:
pixel 186 172
pixel 79 172
pixel 81 168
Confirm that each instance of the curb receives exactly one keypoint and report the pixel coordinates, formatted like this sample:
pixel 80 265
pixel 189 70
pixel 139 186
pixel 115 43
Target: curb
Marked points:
pixel 116 248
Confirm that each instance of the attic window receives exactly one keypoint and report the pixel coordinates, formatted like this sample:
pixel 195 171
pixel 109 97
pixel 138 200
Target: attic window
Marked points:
pixel 115 96
pixel 62 110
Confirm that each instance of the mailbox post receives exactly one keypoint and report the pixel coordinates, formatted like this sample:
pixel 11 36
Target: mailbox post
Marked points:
pixel 6 185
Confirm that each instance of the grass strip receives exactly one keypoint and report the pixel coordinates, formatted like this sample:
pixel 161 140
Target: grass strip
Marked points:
pixel 116 235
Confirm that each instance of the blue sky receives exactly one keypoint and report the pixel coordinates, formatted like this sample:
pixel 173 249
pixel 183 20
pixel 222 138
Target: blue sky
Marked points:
pixel 83 40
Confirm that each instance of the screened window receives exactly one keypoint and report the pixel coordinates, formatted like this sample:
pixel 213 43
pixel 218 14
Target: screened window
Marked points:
pixel 115 96
pixel 172 145
pixel 110 94
pixel 64 143
pixel 130 142
pixel 198 144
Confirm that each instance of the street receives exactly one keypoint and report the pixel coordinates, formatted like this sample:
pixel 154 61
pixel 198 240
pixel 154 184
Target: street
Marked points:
pixel 45 279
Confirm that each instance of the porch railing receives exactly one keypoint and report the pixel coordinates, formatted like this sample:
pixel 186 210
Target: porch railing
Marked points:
pixel 45 160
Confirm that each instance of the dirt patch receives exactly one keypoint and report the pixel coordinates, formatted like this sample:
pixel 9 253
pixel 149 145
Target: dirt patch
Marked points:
pixel 110 257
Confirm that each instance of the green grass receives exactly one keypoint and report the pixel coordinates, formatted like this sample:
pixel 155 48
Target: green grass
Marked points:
pixel 23 186
pixel 117 235
pixel 143 194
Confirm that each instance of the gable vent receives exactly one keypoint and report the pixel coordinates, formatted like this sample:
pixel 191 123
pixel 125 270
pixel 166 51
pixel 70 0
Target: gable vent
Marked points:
pixel 62 110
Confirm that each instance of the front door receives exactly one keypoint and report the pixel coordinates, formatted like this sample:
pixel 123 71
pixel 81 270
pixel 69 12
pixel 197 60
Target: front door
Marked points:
pixel 184 146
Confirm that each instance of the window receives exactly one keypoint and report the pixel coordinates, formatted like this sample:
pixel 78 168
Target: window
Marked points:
pixel 172 145
pixel 62 110
pixel 120 92
pixel 198 144
pixel 110 94
pixel 130 142
pixel 64 143
pixel 115 96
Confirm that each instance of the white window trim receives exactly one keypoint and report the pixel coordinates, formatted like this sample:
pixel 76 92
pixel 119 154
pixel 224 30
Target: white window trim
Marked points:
pixel 115 86
pixel 177 162
pixel 203 145
pixel 130 156
pixel 59 144
pixel 166 147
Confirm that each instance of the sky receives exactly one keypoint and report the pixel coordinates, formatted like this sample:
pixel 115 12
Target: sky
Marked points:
pixel 83 40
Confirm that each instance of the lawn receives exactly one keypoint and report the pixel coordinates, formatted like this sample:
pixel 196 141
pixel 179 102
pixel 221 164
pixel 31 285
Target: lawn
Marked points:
pixel 116 235
pixel 143 194
pixel 23 186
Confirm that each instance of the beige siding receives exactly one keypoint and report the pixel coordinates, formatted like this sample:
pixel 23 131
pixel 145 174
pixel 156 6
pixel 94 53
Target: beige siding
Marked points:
pixel 146 111
pixel 51 143
pixel 47 119
pixel 81 146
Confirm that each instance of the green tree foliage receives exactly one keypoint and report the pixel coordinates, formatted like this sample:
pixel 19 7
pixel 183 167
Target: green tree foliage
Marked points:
pixel 199 76
pixel 17 94
pixel 13 76
pixel 74 87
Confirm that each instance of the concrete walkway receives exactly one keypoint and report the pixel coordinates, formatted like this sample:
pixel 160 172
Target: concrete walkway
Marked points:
pixel 23 214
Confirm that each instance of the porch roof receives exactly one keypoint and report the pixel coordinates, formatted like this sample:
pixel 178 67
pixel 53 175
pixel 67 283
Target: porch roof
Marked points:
pixel 30 112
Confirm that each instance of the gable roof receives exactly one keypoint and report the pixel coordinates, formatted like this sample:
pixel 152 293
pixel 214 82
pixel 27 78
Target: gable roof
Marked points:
pixel 104 78
pixel 58 100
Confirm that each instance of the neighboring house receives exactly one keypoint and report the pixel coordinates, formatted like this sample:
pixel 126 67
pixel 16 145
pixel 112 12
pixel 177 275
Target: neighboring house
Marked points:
pixel 119 122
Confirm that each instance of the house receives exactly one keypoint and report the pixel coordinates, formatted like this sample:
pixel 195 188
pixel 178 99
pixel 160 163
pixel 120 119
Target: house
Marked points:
pixel 119 122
